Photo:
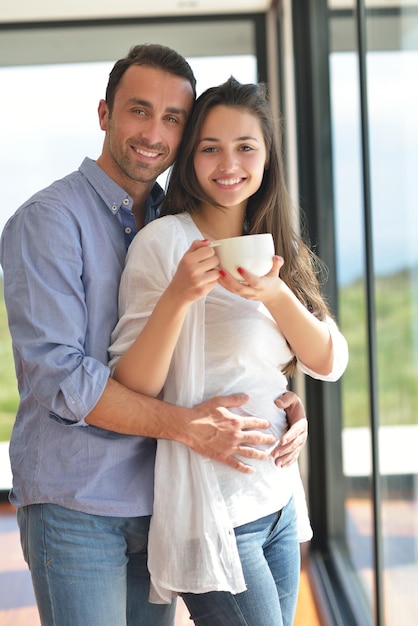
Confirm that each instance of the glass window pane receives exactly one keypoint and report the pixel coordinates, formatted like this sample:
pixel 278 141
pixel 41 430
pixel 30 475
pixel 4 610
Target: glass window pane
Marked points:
pixel 393 121
pixel 392 92
pixel 358 532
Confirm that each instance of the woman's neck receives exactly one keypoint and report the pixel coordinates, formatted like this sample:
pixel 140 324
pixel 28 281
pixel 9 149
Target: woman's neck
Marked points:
pixel 218 223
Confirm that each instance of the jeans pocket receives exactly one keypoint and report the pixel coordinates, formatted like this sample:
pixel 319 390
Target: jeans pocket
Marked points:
pixel 276 521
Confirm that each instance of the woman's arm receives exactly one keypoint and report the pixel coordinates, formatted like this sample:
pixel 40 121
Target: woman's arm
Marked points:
pixel 292 442
pixel 143 367
pixel 308 337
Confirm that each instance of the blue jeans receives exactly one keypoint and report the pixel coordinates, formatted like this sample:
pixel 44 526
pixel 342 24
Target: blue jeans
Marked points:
pixel 270 557
pixel 89 570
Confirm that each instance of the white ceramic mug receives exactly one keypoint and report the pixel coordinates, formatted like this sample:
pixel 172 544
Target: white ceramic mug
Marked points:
pixel 254 253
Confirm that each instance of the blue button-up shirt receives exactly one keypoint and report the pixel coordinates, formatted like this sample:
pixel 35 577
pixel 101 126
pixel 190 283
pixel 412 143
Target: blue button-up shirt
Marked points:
pixel 62 254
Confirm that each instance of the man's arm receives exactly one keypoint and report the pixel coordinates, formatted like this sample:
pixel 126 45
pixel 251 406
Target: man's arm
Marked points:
pixel 292 442
pixel 209 428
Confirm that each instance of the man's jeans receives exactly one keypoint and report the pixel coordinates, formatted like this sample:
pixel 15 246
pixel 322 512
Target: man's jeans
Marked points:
pixel 270 557
pixel 89 570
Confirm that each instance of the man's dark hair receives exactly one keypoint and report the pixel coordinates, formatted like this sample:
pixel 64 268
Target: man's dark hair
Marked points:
pixel 153 55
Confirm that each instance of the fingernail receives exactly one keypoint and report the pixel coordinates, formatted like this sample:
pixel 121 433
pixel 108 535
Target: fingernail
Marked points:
pixel 240 270
pixel 222 273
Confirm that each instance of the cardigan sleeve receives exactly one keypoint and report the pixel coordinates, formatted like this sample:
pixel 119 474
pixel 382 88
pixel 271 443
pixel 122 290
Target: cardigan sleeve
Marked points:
pixel 151 263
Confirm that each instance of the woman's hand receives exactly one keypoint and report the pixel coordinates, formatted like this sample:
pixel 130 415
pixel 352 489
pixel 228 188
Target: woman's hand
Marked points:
pixel 196 275
pixel 294 439
pixel 264 289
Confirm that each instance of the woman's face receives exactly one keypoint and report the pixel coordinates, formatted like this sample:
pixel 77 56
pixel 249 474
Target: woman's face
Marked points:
pixel 230 155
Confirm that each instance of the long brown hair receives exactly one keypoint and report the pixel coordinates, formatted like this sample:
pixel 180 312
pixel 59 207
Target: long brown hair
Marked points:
pixel 269 210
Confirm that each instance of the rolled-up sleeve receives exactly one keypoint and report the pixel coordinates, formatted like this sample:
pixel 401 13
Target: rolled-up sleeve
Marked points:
pixel 340 351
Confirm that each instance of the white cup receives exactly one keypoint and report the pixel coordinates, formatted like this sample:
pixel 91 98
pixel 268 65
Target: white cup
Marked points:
pixel 254 253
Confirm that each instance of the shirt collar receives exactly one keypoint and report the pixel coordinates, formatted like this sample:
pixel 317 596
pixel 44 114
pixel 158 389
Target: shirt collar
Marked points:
pixel 113 195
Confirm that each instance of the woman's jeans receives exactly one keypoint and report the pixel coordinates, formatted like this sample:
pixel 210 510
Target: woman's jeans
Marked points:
pixel 89 570
pixel 270 557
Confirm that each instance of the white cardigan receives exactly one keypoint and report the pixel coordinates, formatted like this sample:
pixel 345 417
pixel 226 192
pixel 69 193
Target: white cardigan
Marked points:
pixel 192 545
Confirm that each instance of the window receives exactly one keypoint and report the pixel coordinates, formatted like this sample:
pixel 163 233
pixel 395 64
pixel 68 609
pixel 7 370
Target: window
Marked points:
pixel 357 137
pixel 377 270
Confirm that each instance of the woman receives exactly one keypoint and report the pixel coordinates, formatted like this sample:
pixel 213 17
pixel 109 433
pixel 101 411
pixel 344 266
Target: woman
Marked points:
pixel 189 330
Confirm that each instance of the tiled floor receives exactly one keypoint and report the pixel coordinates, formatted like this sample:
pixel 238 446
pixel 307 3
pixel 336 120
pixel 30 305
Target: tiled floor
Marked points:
pixel 17 604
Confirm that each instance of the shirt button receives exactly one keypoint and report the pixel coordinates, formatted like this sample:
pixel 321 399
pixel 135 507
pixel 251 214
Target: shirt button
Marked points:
pixel 114 208
pixel 126 201
pixel 128 230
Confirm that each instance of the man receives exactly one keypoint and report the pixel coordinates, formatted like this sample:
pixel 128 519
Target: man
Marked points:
pixel 82 448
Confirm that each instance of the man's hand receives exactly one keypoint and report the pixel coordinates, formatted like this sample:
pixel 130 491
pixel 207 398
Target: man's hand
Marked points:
pixel 219 434
pixel 292 442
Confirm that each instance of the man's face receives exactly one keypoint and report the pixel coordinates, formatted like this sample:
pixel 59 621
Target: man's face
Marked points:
pixel 145 127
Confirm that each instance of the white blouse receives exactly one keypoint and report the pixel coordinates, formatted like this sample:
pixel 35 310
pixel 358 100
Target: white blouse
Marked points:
pixel 227 344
